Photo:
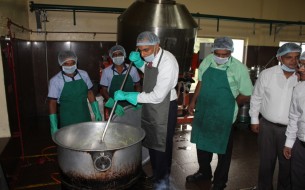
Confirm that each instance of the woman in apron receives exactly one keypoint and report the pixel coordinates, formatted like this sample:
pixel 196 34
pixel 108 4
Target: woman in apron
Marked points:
pixel 70 89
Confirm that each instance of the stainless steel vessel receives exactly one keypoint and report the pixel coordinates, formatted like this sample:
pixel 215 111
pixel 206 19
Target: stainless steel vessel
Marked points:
pixel 243 113
pixel 87 163
pixel 171 21
pixel 132 117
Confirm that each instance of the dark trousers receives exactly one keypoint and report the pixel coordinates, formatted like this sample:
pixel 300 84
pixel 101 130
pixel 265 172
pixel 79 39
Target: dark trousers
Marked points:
pixel 298 165
pixel 161 161
pixel 271 140
pixel 223 165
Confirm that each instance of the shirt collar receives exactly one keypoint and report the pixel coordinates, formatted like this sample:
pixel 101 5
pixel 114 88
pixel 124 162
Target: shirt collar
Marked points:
pixel 114 69
pixel 157 56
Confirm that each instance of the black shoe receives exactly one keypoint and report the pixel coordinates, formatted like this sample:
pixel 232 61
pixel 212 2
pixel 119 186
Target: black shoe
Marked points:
pixel 218 187
pixel 148 182
pixel 198 176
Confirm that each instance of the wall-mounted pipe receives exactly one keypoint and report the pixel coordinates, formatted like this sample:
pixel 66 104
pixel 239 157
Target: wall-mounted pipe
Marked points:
pixel 54 32
pixel 50 7
pixel 251 20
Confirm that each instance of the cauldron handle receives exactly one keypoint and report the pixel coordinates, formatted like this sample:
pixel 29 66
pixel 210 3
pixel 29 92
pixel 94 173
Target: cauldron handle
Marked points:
pixel 102 162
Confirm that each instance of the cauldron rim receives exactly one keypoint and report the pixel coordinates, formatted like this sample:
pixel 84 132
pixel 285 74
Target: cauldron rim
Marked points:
pixel 99 125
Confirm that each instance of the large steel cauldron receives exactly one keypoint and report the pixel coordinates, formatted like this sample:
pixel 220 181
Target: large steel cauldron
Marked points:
pixel 132 117
pixel 87 163
pixel 171 21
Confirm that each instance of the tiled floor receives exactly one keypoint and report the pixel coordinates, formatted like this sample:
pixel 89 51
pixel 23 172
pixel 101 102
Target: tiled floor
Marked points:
pixel 39 170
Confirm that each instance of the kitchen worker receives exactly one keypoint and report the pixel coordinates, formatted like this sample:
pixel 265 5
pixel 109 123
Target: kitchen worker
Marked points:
pixel 113 77
pixel 271 99
pixel 70 89
pixel 159 104
pixel 223 85
pixel 295 138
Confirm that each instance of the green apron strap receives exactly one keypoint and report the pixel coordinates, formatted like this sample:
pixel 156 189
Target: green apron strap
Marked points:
pixel 73 103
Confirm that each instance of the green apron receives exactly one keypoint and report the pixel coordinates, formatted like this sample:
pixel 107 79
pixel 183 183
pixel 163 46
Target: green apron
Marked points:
pixel 116 83
pixel 214 112
pixel 73 103
pixel 154 116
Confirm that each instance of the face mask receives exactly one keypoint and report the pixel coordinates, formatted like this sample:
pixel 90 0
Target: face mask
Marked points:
pixel 150 58
pixel 69 69
pixel 287 69
pixel 220 60
pixel 118 60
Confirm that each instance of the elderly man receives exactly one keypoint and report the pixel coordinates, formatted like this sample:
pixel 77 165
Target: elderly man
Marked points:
pixel 223 84
pixel 271 98
pixel 159 111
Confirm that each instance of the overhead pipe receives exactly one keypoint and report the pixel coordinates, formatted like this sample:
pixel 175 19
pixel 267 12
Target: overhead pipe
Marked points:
pixel 50 7
pixel 251 20
pixel 54 32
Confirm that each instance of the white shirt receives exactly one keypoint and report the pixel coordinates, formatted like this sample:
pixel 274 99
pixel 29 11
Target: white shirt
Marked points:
pixel 296 126
pixel 272 95
pixel 166 80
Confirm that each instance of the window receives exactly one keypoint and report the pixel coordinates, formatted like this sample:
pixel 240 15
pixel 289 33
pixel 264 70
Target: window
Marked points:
pixel 204 45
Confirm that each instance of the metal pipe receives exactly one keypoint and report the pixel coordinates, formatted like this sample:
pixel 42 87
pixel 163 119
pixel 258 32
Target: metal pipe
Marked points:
pixel 55 32
pixel 50 7
pixel 251 20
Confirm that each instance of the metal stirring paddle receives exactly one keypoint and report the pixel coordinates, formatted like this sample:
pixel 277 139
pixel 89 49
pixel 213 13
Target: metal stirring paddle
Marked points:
pixel 116 102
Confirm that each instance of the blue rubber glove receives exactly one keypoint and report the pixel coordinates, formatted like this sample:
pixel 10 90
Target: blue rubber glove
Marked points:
pixel 96 111
pixel 132 97
pixel 109 103
pixel 135 57
pixel 119 95
pixel 119 110
pixel 53 123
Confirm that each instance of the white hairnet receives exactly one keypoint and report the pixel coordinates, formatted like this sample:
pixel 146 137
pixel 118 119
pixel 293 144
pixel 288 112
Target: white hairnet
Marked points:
pixel 115 49
pixel 147 38
pixel 302 57
pixel 64 56
pixel 288 48
pixel 223 43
